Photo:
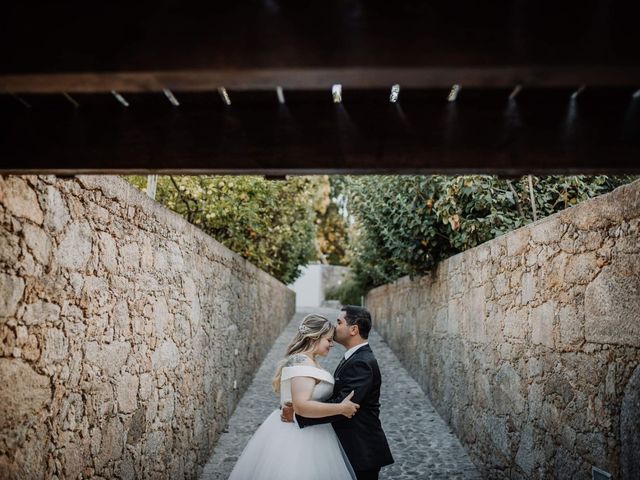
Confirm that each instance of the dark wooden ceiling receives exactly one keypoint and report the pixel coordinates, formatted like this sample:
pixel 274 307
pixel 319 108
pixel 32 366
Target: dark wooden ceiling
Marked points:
pixel 86 49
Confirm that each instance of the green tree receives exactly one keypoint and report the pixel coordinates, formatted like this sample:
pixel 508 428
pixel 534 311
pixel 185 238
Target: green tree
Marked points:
pixel 407 224
pixel 270 223
pixel 332 232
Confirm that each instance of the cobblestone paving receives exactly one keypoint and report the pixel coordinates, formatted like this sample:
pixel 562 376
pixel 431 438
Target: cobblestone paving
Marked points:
pixel 421 442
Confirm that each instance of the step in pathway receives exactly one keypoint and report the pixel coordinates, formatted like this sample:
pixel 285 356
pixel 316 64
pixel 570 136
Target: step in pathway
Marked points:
pixel 422 444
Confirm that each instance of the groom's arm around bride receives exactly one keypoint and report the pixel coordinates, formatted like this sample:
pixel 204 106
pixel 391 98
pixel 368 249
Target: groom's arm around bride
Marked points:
pixel 361 436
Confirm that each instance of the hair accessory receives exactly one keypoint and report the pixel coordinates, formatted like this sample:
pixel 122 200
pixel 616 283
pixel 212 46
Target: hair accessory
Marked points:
pixel 304 329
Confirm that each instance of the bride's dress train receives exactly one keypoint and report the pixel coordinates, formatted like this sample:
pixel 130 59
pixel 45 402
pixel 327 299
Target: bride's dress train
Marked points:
pixel 284 451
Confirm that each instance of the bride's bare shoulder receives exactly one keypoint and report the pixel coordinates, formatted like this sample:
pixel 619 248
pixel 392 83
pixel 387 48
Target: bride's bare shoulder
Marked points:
pixel 299 359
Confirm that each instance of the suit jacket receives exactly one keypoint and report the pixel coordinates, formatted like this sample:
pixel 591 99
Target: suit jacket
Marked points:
pixel 361 436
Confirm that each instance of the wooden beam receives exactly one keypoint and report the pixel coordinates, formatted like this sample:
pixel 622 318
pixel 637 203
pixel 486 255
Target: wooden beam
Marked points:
pixel 543 132
pixel 322 79
pixel 74 47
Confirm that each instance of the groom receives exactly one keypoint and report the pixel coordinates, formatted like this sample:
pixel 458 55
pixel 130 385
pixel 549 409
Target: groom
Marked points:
pixel 361 436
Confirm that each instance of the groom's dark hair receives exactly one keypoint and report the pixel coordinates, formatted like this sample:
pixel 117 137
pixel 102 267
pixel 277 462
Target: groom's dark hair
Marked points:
pixel 359 316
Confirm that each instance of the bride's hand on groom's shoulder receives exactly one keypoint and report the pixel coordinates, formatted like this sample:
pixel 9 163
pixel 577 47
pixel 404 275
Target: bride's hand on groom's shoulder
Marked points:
pixel 286 414
pixel 349 409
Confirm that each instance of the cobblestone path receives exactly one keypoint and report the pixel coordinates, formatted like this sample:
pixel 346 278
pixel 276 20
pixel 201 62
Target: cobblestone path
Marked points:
pixel 421 442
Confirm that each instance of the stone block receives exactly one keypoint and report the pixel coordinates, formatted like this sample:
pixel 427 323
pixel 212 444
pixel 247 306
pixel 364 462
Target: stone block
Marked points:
pixel 121 318
pixel 517 241
pixel 501 284
pixel 568 465
pixel 592 446
pixel 497 430
pixel 441 324
pixel 130 256
pixel 524 457
pixel 477 313
pixel 110 357
pixel 516 323
pixel 73 458
pixel 9 248
pixel 166 356
pixel 71 411
pixel 24 395
pixel 127 392
pixel 74 249
pixel 95 292
pixel 108 252
pixel 137 426
pixel 613 208
pixel 571 325
pixel 555 271
pixel 483 398
pixel 41 312
pixel 29 458
pixel 528 287
pixel 56 215
pixel 161 317
pixel 112 442
pixel 547 231
pixel 542 322
pixel 20 199
pixel 56 347
pixel 535 397
pixel 153 446
pixel 11 290
pixel 581 268
pixel 612 306
pixel 38 242
pixel 629 428
pixel 455 314
pixel 146 254
pixel 146 386
pixel 535 367
pixel 507 394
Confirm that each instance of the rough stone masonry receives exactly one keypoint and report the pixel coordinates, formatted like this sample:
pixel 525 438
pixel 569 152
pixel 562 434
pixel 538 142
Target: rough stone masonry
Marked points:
pixel 529 344
pixel 127 334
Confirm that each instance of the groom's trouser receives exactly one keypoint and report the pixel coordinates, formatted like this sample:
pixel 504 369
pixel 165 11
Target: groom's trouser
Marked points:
pixel 367 474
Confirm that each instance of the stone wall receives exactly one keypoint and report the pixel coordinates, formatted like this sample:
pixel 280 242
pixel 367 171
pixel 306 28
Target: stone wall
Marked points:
pixel 528 344
pixel 127 334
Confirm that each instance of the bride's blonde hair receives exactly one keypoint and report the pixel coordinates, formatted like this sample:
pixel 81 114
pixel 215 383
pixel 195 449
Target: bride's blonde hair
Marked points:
pixel 310 331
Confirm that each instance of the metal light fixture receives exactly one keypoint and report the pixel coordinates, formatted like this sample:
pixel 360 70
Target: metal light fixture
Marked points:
pixel 515 92
pixel 224 95
pixel 575 94
pixel 171 97
pixel 453 94
pixel 336 93
pixel 120 98
pixel 395 93
pixel 71 99
pixel 22 101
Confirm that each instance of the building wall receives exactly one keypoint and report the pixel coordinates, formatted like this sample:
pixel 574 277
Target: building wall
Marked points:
pixel 128 335
pixel 529 344
pixel 314 280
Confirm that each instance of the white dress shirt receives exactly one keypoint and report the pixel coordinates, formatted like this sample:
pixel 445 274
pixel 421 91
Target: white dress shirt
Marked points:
pixel 352 350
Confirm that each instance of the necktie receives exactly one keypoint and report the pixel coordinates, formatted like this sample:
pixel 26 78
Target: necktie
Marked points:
pixel 340 365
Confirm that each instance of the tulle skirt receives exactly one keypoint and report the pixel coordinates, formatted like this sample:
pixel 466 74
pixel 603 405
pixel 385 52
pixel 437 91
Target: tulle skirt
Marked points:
pixel 284 451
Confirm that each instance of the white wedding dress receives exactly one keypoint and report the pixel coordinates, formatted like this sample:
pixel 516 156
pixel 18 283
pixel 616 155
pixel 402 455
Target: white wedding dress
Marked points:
pixel 284 451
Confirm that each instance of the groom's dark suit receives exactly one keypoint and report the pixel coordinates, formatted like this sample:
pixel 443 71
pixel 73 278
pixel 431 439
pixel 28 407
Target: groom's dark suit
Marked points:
pixel 361 436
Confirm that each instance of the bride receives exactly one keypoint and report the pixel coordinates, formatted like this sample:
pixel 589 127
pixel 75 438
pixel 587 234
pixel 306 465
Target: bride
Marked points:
pixel 283 451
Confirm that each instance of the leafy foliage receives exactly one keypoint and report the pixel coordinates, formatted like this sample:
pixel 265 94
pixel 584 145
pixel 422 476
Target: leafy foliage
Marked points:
pixel 349 292
pixel 333 232
pixel 270 223
pixel 407 224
